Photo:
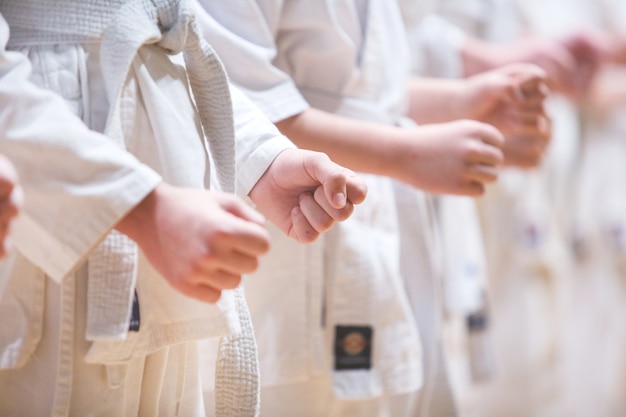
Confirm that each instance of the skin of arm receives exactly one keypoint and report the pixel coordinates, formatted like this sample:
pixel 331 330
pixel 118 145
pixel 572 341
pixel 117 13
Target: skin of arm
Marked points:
pixel 453 158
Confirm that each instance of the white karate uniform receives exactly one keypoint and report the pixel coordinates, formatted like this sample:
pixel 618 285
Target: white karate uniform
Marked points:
pixel 524 220
pixel 436 49
pixel 69 349
pixel 348 58
pixel 594 365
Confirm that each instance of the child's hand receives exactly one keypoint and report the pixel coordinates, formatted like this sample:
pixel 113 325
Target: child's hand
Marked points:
pixel 304 193
pixel 451 158
pixel 591 49
pixel 554 57
pixel 512 98
pixel 11 197
pixel 200 241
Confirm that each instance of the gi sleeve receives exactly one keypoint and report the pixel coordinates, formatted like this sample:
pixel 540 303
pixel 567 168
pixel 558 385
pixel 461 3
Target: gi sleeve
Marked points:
pixel 243 33
pixel 78 184
pixel 258 142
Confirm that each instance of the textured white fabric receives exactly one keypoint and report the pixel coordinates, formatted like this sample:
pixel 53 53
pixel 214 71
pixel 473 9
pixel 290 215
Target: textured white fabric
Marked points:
pixel 348 58
pixel 421 266
pixel 528 262
pixel 143 100
pixel 435 42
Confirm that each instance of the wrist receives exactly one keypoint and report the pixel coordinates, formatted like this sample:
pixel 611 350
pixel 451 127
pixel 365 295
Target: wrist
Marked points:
pixel 136 222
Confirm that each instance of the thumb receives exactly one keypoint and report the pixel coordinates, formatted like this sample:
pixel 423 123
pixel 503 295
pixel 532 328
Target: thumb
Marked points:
pixel 340 185
pixel 529 81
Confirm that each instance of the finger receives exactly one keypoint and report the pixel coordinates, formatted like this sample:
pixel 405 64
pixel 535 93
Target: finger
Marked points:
pixel 529 81
pixel 356 188
pixel 230 260
pixel 333 178
pixel 243 236
pixel 561 69
pixel 6 246
pixel 301 229
pixel 8 174
pixel 490 135
pixel 4 230
pixel 203 293
pixel 314 213
pixel 528 124
pixel 524 160
pixel 523 152
pixel 17 198
pixel 485 155
pixel 8 209
pixel 239 208
pixel 533 96
pixel 333 213
pixel 218 279
pixel 473 189
pixel 6 187
pixel 483 174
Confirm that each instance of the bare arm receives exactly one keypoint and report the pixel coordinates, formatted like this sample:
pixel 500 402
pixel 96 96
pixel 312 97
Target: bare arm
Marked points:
pixel 454 158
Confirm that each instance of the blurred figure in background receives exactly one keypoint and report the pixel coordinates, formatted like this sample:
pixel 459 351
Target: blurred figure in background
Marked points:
pixel 529 219
pixel 324 89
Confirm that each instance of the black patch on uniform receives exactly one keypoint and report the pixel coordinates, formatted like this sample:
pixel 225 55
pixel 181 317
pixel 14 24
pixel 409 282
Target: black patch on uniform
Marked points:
pixel 477 321
pixel 134 315
pixel 353 347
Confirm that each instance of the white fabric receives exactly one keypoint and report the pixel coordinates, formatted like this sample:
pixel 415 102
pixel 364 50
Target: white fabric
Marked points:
pixel 167 317
pixel 524 218
pixel 436 46
pixel 421 266
pixel 335 56
pixel 435 43
pixel 593 372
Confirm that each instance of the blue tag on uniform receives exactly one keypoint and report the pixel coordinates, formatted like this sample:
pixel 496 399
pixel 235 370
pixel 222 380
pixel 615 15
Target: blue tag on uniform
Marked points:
pixel 353 347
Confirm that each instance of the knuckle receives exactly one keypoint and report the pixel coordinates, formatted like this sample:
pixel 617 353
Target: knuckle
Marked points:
pixel 477 190
pixel 250 266
pixel 308 236
pixel 471 150
pixel 213 296
pixel 231 282
pixel 210 257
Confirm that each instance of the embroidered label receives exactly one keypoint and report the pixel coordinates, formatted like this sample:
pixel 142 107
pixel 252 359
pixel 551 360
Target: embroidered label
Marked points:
pixel 134 315
pixel 353 347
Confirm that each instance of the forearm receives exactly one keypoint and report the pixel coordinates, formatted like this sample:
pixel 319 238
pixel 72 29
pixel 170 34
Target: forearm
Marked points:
pixel 433 100
pixel 355 144
pixel 475 57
